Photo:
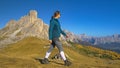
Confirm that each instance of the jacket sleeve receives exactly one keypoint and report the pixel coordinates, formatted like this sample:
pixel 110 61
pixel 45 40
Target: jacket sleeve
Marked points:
pixel 51 29
pixel 63 32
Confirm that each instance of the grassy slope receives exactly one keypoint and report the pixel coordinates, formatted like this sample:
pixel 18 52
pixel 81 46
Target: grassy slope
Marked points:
pixel 24 54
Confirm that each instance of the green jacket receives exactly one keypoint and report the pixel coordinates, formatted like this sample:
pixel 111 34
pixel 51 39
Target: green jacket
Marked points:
pixel 55 29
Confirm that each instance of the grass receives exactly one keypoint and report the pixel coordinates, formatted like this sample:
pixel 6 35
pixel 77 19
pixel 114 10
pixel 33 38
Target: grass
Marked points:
pixel 24 54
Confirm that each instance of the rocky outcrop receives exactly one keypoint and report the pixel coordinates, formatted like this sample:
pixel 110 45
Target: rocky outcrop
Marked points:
pixel 28 25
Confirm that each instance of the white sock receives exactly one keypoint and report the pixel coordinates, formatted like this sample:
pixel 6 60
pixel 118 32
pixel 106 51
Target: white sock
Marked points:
pixel 47 55
pixel 63 55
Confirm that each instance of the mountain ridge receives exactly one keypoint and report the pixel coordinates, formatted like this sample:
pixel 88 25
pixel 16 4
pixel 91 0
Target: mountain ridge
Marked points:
pixel 107 42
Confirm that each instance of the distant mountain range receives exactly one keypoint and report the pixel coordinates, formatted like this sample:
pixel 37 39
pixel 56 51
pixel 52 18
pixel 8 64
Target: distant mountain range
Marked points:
pixel 31 25
pixel 107 42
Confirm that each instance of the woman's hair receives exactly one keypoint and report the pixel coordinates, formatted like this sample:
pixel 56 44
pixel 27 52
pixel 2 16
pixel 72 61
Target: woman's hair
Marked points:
pixel 56 13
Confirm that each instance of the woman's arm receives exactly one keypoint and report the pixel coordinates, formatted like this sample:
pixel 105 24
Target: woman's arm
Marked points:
pixel 63 32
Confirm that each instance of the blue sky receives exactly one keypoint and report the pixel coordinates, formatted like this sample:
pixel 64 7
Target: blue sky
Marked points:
pixel 92 17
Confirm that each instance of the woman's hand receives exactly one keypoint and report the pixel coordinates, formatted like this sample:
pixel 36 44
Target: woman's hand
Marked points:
pixel 50 41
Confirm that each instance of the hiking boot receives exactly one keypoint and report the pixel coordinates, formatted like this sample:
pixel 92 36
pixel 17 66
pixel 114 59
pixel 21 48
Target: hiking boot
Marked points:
pixel 44 61
pixel 67 63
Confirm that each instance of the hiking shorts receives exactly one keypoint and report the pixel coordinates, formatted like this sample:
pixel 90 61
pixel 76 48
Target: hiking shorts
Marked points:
pixel 55 42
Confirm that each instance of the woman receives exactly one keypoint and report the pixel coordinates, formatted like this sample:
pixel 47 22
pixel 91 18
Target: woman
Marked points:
pixel 54 34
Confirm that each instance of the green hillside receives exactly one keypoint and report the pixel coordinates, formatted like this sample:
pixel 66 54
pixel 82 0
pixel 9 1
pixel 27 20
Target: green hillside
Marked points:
pixel 25 54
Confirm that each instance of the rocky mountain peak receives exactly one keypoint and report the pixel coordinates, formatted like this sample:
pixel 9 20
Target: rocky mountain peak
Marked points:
pixel 33 13
pixel 28 25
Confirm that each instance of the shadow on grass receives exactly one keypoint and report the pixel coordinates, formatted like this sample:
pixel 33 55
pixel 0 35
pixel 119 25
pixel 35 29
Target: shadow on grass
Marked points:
pixel 41 61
